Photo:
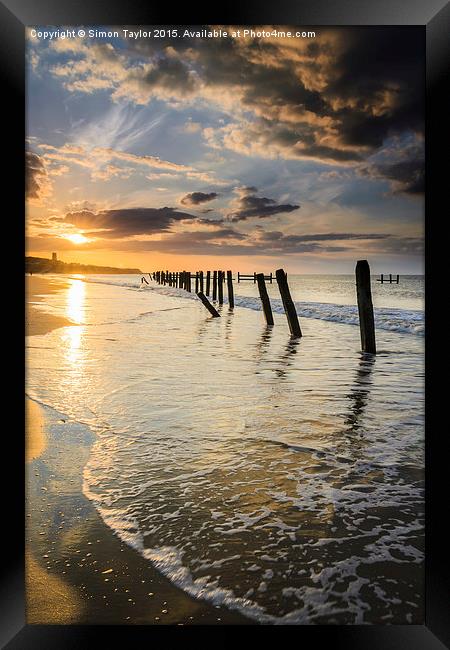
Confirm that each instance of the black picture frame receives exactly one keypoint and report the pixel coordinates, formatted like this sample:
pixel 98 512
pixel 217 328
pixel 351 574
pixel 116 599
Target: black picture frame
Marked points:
pixel 434 16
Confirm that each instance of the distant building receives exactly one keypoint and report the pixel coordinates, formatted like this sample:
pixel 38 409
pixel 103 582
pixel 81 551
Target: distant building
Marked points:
pixel 54 257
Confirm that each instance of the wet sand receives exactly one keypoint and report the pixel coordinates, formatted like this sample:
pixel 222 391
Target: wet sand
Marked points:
pixel 36 320
pixel 77 570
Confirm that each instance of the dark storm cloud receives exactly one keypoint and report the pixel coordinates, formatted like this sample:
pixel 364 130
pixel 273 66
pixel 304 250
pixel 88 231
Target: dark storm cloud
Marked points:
pixel 382 74
pixel 170 74
pixel 276 236
pixel 405 176
pixel 356 86
pixel 196 198
pixel 126 222
pixel 35 175
pixel 250 206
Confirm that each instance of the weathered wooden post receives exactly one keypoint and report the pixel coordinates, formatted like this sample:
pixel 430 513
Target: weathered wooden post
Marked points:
pixel 196 282
pixel 208 305
pixel 390 278
pixel 398 278
pixel 288 303
pixel 264 298
pixel 220 287
pixel 254 278
pixel 208 281
pixel 239 277
pixel 382 278
pixel 189 281
pixel 214 296
pixel 230 289
pixel 365 307
pixel 201 281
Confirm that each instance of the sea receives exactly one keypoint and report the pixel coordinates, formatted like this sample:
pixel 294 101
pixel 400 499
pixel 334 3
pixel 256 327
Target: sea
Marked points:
pixel 283 478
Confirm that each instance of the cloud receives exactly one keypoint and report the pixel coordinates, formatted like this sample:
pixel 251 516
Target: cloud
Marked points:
pixel 196 198
pixel 401 164
pixel 37 182
pixel 250 206
pixel 333 99
pixel 126 222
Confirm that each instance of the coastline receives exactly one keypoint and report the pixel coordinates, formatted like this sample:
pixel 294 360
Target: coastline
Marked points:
pixel 77 570
pixel 36 320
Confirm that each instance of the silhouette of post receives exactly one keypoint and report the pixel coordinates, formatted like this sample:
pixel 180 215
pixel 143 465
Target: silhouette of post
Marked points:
pixel 365 307
pixel 230 289
pixel 267 309
pixel 208 305
pixel 288 303
pixel 214 296
pixel 220 286
pixel 208 282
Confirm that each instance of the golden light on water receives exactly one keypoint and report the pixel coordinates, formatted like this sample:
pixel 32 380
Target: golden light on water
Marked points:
pixel 75 306
pixel 76 294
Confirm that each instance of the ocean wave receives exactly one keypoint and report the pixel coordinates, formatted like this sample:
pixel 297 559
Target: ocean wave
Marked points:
pixel 404 321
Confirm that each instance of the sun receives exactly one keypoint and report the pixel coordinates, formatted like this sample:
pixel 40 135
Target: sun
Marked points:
pixel 76 238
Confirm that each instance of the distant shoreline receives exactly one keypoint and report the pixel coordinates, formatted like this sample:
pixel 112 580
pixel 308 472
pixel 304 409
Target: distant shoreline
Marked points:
pixel 45 265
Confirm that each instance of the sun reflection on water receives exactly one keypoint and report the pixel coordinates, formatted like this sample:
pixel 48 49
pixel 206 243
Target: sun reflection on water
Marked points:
pixel 75 310
pixel 76 301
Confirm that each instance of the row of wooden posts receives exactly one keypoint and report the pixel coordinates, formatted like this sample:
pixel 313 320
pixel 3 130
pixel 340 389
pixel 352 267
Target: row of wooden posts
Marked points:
pixel 183 280
pixel 203 289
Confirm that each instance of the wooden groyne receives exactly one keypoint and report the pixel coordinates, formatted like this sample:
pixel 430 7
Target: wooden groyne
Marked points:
pixel 384 279
pixel 224 279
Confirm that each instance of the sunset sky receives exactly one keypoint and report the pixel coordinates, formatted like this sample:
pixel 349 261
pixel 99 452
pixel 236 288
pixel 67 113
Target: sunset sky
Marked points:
pixel 238 153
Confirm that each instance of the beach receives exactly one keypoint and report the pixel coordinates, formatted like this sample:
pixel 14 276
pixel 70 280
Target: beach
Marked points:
pixel 189 470
pixel 77 571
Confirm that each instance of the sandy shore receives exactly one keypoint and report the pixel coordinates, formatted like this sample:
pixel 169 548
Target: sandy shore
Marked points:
pixel 36 320
pixel 77 570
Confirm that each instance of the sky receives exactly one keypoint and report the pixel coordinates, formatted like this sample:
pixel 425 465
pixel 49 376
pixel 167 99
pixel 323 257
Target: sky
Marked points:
pixel 247 153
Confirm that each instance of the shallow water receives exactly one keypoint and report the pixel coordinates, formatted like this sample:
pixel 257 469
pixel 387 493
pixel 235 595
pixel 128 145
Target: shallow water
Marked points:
pixel 283 478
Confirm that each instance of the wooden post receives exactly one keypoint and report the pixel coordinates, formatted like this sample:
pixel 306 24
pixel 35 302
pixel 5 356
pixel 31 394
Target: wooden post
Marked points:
pixel 264 298
pixel 214 296
pixel 390 278
pixel 230 289
pixel 254 278
pixel 382 279
pixel 220 287
pixel 239 277
pixel 365 307
pixel 196 282
pixel 398 278
pixel 189 281
pixel 208 305
pixel 288 304
pixel 201 281
pixel 208 281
